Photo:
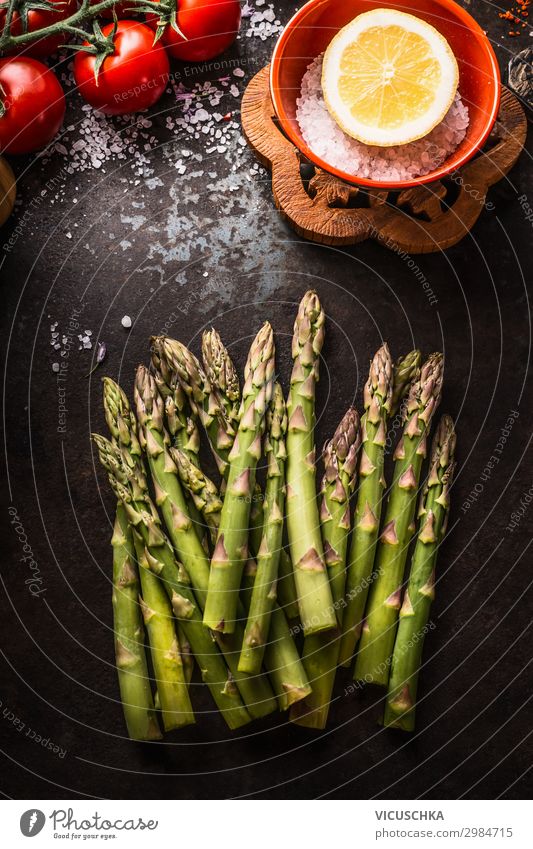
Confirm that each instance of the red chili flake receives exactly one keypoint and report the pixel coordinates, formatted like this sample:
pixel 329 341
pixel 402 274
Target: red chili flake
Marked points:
pixel 227 116
pixel 519 8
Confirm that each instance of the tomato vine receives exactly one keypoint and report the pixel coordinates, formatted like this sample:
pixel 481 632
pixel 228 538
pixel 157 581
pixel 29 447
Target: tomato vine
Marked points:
pixel 72 25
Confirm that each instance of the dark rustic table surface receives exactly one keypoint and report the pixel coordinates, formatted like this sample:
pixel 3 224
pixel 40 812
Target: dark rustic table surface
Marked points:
pixel 178 241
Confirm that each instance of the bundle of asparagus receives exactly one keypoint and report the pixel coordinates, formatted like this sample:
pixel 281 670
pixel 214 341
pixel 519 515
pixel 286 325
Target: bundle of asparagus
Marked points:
pixel 200 569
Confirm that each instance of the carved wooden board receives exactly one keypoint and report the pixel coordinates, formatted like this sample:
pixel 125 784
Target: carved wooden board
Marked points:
pixel 419 220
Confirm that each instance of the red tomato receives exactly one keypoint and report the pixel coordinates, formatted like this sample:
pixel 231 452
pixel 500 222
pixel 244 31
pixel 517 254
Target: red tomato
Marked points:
pixel 34 105
pixel 132 78
pixel 209 26
pixel 37 19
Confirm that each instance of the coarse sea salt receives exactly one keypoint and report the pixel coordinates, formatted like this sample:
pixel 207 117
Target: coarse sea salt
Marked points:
pixel 133 138
pixel 401 162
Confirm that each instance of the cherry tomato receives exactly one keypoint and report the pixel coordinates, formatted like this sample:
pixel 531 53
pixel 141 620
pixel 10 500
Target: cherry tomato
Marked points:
pixel 37 19
pixel 34 105
pixel 132 78
pixel 209 27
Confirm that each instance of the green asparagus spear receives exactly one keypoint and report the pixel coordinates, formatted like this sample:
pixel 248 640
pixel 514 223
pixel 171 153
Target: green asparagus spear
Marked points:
pixel 321 651
pixel 414 613
pixel 201 489
pixel 128 482
pixel 231 551
pixel 182 366
pixel 134 683
pixel 221 409
pixel 377 399
pixel 286 590
pixel 406 370
pixel 222 401
pixel 285 668
pixel 340 458
pixel 314 594
pixel 176 708
pixel 180 417
pixel 377 638
pixel 264 588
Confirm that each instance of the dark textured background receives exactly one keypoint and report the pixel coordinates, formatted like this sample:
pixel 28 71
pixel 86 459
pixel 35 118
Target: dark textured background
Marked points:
pixel 57 676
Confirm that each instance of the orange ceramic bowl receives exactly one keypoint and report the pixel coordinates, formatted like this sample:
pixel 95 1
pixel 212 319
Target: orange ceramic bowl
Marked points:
pixel 309 32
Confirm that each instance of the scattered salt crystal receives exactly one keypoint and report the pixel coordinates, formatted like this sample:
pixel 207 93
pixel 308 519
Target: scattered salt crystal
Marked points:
pixel 55 367
pixel 125 321
pixel 95 140
pixel 263 24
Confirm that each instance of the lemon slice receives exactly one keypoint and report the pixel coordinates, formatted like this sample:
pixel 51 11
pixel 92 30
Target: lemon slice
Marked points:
pixel 388 78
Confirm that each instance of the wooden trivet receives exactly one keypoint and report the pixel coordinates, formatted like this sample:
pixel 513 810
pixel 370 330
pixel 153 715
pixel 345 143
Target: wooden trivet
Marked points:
pixel 419 220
